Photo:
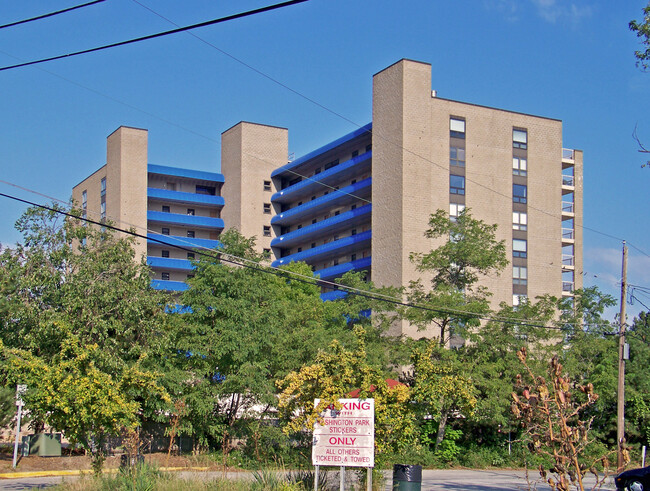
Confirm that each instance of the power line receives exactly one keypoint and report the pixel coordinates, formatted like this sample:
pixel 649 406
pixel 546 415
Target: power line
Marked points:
pixel 299 277
pixel 159 34
pixel 51 14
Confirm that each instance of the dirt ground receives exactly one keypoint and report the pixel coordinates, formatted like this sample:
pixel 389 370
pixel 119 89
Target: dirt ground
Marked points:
pixel 82 462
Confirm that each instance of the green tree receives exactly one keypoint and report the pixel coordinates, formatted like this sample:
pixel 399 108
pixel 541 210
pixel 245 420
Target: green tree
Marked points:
pixel 642 30
pixel 248 327
pixel 74 297
pixel 439 386
pixel 455 301
pixel 334 374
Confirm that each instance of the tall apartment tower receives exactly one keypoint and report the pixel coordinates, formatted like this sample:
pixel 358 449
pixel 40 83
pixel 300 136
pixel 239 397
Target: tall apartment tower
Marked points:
pixel 178 206
pixel 363 201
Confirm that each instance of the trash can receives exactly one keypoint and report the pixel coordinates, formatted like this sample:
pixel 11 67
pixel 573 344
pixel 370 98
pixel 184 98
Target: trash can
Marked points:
pixel 407 477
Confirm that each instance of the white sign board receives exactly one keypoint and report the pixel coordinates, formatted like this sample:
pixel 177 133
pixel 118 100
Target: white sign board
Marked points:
pixel 347 437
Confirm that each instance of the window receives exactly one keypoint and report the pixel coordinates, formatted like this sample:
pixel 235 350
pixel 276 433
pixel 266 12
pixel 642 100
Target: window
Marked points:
pixel 455 209
pixel 353 232
pixel 456 184
pixel 353 207
pixel 353 257
pixel 210 190
pixel 337 213
pixel 267 208
pixel 457 156
pixel 295 181
pixel 267 252
pixel 519 220
pixel 336 237
pixel 335 262
pixel 103 187
pixel 317 171
pixel 519 275
pixel 102 215
pixel 519 138
pixel 164 275
pixel 519 300
pixel 313 198
pixel 267 231
pixel 519 193
pixel 165 253
pixel 299 249
pixel 457 128
pixel 165 209
pixel 298 227
pixel 165 231
pixel 313 244
pixel 267 185
pixel 368 148
pixel 314 220
pixel 353 181
pixel 355 153
pixel 170 186
pixel 191 234
pixel 84 199
pixel 190 255
pixel 285 230
pixel 190 211
pixel 519 248
pixel 519 166
pixel 331 164
pixel 190 276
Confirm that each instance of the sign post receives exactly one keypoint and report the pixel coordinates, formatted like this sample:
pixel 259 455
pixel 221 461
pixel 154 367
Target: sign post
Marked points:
pixel 346 438
pixel 20 390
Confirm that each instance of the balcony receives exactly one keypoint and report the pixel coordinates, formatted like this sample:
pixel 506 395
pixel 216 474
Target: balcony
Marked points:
pixel 568 234
pixel 184 242
pixel 332 249
pixel 340 269
pixel 170 286
pixel 168 263
pixel 568 207
pixel 334 176
pixel 568 260
pixel 328 227
pixel 184 198
pixel 568 181
pixel 568 154
pixel 285 169
pixel 211 177
pixel 194 221
pixel 567 287
pixel 342 197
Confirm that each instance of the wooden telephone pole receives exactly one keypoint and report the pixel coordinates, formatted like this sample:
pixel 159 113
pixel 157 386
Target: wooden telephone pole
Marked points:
pixel 620 413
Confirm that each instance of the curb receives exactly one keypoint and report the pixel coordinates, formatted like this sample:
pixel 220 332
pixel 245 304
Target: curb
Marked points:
pixel 78 472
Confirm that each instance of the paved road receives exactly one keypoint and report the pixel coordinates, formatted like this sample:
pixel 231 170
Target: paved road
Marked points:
pixel 432 480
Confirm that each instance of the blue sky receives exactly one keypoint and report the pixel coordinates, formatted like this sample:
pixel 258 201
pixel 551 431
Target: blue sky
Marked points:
pixel 570 60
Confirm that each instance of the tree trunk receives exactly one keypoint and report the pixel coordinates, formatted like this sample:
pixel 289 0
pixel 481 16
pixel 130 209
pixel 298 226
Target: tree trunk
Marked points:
pixel 441 428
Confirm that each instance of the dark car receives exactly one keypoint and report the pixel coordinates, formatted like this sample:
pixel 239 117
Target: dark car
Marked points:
pixel 634 480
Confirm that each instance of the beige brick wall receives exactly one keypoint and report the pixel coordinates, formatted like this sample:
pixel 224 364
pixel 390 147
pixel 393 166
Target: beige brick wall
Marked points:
pixel 126 182
pixel 411 180
pixel 249 153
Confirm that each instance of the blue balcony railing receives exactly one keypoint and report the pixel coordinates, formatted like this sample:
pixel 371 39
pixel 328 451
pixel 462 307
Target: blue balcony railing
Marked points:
pixel 344 220
pixel 184 220
pixel 168 285
pixel 340 269
pixel 169 263
pixel 309 185
pixel 346 195
pixel 346 138
pixel 183 197
pixel 189 173
pixel 186 242
pixel 336 246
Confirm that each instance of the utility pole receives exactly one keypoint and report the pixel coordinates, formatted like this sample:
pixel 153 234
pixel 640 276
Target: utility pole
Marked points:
pixel 620 413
